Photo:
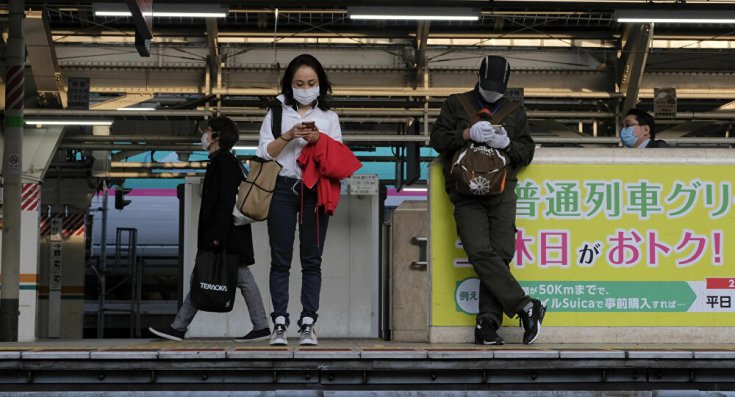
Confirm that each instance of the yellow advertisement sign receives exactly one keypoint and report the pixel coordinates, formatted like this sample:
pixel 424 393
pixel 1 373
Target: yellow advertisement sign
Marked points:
pixel 603 245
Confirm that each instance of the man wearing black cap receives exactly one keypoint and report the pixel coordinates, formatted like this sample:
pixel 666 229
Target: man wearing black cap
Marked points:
pixel 486 224
pixel 639 131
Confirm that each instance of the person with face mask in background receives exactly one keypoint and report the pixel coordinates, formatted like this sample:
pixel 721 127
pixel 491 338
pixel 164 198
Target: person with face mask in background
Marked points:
pixel 639 131
pixel 486 224
pixel 216 230
pixel 306 114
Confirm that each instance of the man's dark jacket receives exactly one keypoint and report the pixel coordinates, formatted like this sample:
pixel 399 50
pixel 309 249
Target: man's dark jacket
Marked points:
pixel 653 143
pixel 446 134
pixel 221 182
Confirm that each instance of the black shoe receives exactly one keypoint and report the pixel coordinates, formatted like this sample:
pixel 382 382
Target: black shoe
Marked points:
pixel 255 335
pixel 531 321
pixel 169 333
pixel 486 333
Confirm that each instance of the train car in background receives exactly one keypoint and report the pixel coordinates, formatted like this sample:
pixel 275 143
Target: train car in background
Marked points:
pixel 153 208
pixel 152 212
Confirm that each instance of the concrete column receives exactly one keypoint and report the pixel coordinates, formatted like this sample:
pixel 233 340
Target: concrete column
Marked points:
pixel 62 258
pixel 12 169
pixel 29 231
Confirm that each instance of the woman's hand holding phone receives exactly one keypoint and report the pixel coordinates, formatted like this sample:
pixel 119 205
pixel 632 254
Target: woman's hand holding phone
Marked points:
pixel 308 131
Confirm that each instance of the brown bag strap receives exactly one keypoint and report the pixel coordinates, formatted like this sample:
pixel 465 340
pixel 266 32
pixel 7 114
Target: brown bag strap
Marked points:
pixel 506 108
pixel 469 108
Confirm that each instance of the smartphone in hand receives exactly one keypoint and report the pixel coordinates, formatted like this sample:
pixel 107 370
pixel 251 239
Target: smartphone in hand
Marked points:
pixel 309 124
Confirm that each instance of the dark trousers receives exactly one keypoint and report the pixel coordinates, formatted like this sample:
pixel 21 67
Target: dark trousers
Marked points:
pixel 282 224
pixel 486 227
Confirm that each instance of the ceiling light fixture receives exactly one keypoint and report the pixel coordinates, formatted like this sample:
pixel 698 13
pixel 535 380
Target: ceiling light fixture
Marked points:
pixel 68 122
pixel 163 10
pixel 675 16
pixel 139 109
pixel 414 13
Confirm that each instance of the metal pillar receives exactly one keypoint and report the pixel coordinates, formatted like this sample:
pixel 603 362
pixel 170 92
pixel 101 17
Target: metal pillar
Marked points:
pixel 126 241
pixel 101 281
pixel 640 42
pixel 12 170
pixel 422 68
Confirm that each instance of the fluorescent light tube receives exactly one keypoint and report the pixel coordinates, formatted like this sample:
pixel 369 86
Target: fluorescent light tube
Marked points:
pixel 163 10
pixel 414 13
pixel 245 147
pixel 674 20
pixel 157 14
pixel 669 16
pixel 414 17
pixel 68 122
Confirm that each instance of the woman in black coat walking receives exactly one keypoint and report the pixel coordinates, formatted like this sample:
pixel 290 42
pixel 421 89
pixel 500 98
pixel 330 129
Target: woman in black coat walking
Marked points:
pixel 216 229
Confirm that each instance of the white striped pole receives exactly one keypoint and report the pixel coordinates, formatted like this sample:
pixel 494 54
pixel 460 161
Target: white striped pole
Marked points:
pixel 30 206
pixel 12 171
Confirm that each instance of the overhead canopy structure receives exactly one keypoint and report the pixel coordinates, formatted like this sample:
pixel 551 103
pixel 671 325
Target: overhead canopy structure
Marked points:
pixel 580 63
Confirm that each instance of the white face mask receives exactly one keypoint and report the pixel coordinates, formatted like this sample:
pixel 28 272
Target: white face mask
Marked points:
pixel 490 96
pixel 206 142
pixel 306 96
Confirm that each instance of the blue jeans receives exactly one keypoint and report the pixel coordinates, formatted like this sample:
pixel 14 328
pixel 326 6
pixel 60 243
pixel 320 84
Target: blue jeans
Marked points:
pixel 282 223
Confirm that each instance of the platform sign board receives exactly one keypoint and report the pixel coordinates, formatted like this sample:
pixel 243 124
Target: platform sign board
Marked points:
pixel 605 245
pixel 78 93
pixel 364 185
pixel 515 95
pixel 664 102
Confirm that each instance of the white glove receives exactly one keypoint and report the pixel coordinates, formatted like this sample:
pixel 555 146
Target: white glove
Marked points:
pixel 499 141
pixel 501 131
pixel 481 131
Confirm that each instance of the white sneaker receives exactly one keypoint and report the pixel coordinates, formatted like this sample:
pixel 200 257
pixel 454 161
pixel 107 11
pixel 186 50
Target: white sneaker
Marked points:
pixel 279 337
pixel 307 332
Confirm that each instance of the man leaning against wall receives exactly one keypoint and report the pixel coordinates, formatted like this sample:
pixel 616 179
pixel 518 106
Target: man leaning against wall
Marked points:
pixel 486 224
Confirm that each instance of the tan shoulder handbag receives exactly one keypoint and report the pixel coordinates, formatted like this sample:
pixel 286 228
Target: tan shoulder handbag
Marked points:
pixel 256 191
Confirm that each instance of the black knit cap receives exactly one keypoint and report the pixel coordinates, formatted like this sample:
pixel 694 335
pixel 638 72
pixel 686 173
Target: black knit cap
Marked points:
pixel 644 118
pixel 494 73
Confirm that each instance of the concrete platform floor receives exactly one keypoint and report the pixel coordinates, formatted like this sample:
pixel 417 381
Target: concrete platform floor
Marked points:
pixel 367 365
pixel 353 349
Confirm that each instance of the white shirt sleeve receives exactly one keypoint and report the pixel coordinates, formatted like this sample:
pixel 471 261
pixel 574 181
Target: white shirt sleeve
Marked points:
pixel 266 137
pixel 335 129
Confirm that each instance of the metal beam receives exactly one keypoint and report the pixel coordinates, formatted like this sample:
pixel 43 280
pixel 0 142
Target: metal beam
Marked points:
pixel 113 114
pixel 636 48
pixel 214 59
pixel 418 92
pixel 42 58
pixel 420 62
pixel 185 165
pixel 122 101
pixel 726 107
pixel 388 139
pixel 3 65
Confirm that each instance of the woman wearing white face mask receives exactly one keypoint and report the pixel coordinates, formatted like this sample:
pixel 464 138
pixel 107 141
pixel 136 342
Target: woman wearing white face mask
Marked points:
pixel 305 114
pixel 216 231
